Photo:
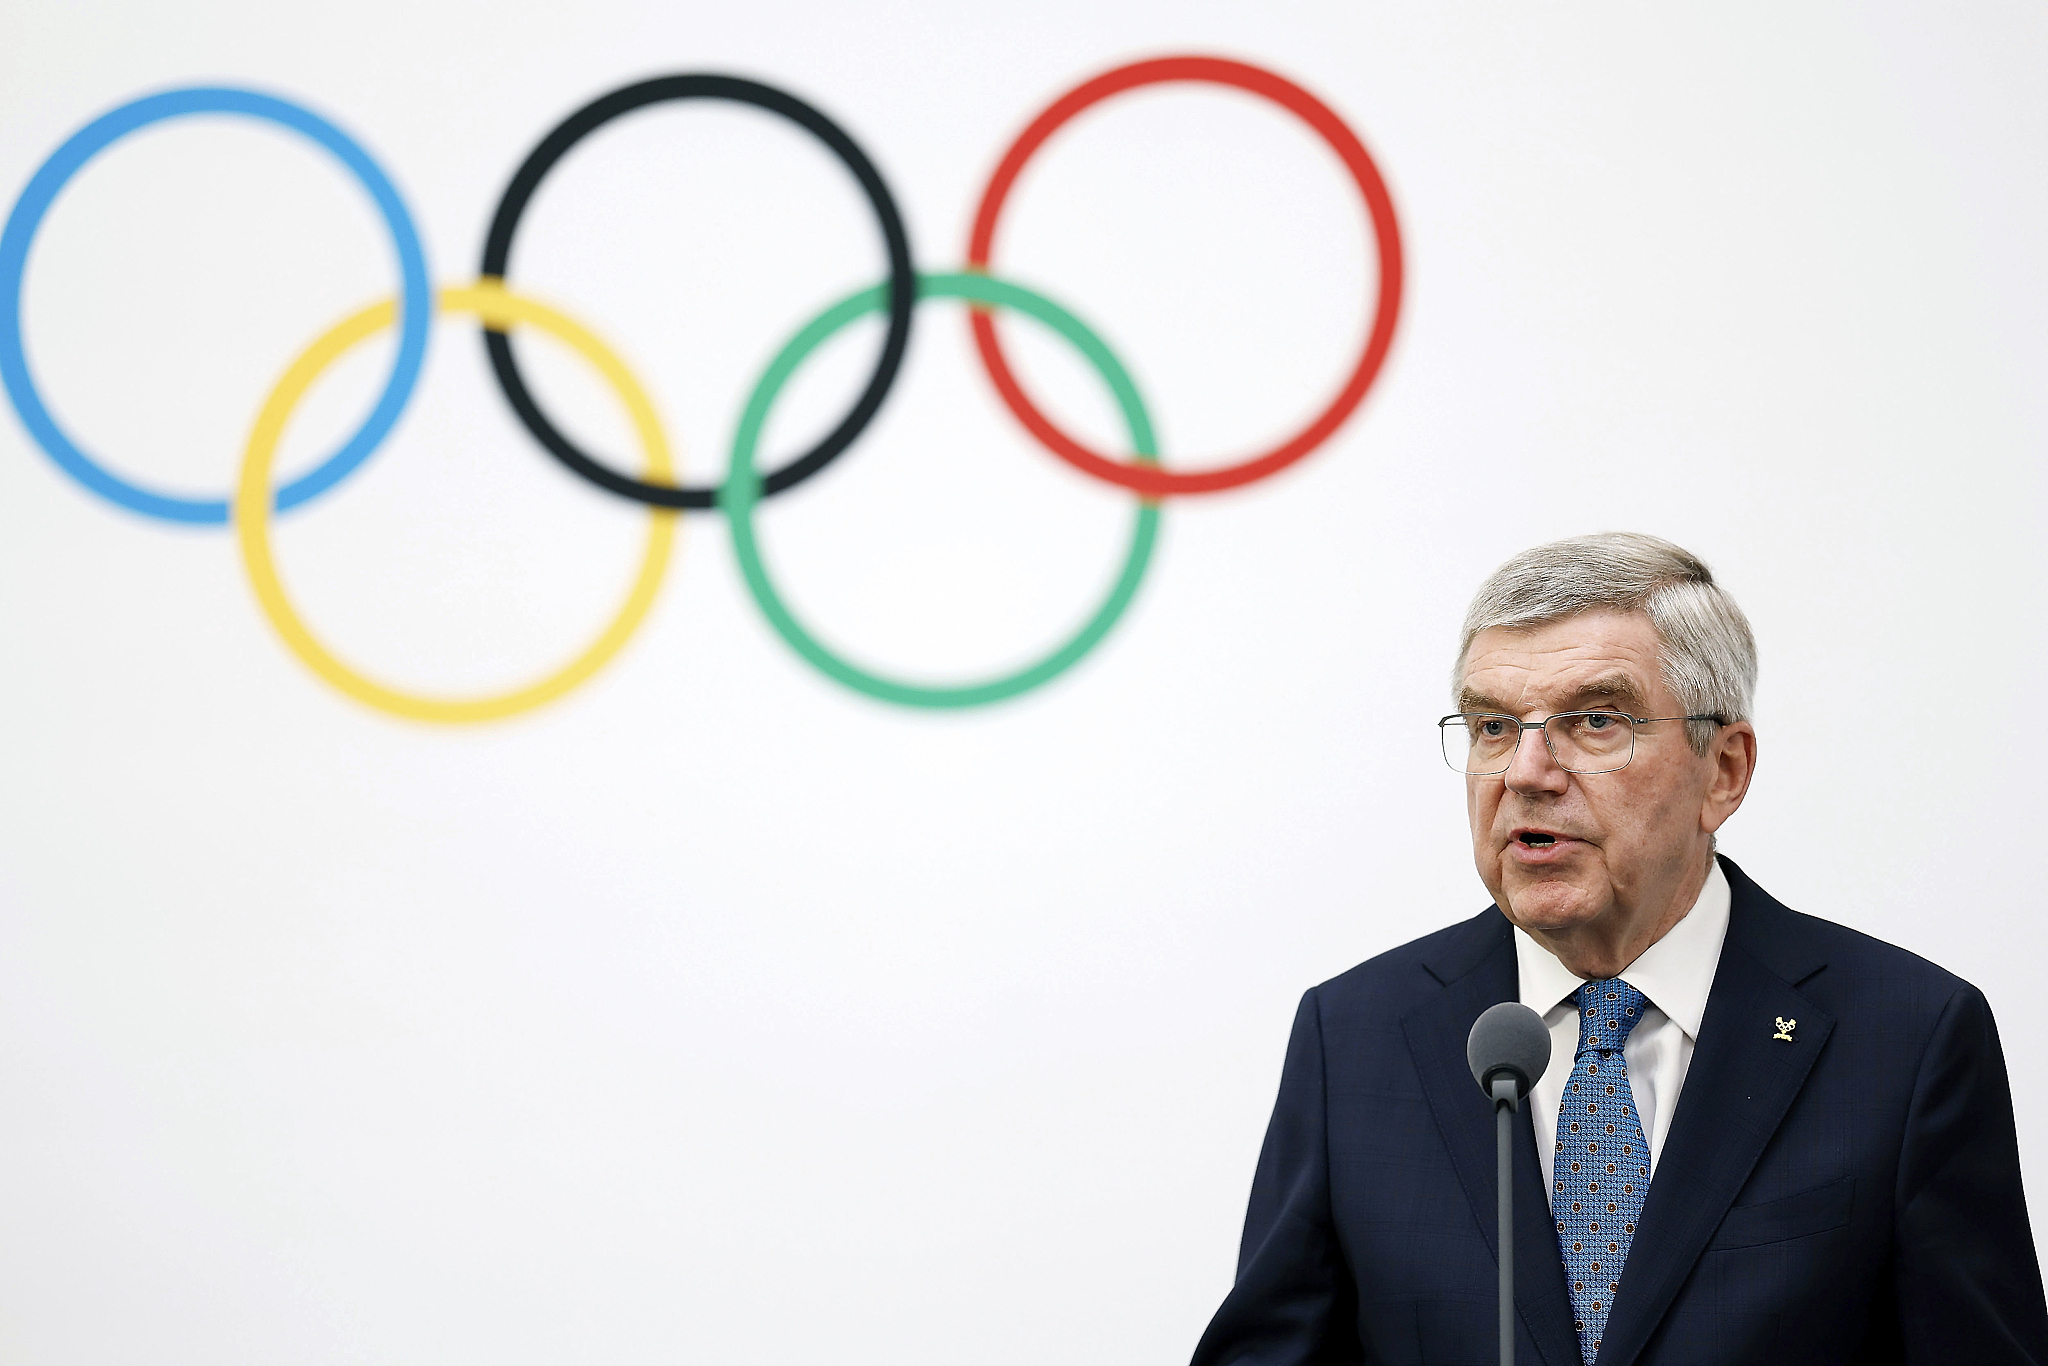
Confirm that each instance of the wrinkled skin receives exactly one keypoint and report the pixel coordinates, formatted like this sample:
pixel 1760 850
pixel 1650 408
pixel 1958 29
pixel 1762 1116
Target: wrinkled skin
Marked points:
pixel 1632 848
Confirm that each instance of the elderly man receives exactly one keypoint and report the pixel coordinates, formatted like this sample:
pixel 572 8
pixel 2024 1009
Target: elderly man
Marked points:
pixel 1762 1136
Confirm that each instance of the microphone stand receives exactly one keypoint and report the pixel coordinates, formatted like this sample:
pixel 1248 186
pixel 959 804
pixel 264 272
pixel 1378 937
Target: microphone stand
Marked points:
pixel 1505 1102
pixel 1508 1048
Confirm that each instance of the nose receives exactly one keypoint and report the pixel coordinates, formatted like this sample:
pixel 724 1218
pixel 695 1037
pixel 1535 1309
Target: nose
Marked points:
pixel 1535 768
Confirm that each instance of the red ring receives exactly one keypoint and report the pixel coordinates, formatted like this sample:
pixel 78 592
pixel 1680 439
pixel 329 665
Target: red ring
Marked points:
pixel 1153 481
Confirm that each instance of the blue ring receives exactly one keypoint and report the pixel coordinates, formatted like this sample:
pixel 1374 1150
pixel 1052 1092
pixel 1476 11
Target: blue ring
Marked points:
pixel 416 301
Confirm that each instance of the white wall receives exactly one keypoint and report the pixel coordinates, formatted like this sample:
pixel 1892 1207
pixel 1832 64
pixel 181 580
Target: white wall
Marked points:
pixel 716 1013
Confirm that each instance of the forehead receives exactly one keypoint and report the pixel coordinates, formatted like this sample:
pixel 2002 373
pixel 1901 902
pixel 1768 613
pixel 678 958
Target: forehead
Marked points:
pixel 1549 666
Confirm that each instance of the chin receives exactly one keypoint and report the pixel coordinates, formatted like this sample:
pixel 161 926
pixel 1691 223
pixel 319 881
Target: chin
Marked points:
pixel 1547 903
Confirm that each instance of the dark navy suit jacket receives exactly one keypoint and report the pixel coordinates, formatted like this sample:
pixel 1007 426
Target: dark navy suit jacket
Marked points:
pixel 1851 1196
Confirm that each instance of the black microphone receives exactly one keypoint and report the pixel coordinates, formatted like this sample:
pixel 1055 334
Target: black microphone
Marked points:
pixel 1508 1040
pixel 1508 1049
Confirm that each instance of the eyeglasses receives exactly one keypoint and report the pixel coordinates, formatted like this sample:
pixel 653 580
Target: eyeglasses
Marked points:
pixel 1482 744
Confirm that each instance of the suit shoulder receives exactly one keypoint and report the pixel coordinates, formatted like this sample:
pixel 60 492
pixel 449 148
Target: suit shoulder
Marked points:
pixel 1854 949
pixel 1404 977
pixel 1856 974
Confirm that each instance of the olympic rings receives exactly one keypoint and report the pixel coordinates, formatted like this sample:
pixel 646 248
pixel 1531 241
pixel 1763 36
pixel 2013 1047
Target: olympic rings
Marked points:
pixel 498 308
pixel 415 294
pixel 902 276
pixel 742 490
pixel 1312 111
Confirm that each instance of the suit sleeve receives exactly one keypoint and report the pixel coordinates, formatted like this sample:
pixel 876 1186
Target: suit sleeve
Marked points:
pixel 1967 1281
pixel 1294 1303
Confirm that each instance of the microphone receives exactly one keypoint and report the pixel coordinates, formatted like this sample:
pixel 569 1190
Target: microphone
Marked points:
pixel 1508 1040
pixel 1508 1049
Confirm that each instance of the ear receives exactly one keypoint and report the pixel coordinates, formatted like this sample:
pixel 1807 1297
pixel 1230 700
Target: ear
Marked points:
pixel 1733 756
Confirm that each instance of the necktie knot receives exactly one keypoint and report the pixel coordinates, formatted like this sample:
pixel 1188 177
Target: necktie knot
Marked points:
pixel 1608 1010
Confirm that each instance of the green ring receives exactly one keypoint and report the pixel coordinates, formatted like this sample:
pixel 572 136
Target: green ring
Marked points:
pixel 742 490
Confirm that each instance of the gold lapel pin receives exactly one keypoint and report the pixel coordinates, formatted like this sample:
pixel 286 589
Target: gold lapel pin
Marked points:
pixel 1785 1028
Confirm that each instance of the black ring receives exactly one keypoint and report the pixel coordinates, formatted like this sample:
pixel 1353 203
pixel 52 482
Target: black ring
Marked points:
pixel 902 277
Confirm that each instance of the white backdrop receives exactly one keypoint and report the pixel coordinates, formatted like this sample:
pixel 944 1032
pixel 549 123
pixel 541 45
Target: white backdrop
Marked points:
pixel 716 1013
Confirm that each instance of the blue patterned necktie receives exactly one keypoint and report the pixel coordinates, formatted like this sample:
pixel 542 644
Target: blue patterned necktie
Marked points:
pixel 1602 1166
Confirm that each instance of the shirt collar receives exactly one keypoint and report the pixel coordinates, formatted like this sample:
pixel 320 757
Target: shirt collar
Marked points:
pixel 1676 972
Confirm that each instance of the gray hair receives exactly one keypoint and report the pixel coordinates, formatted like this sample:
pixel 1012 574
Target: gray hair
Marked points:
pixel 1709 655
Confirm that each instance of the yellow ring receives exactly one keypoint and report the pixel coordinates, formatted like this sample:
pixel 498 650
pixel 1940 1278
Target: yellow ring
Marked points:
pixel 498 307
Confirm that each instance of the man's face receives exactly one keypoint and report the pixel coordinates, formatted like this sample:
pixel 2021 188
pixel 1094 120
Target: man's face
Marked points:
pixel 1564 851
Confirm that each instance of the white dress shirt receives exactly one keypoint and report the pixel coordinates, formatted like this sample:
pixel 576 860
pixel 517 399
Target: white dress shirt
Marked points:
pixel 1675 973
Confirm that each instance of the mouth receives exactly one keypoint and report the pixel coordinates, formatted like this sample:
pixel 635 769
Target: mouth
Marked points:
pixel 1533 841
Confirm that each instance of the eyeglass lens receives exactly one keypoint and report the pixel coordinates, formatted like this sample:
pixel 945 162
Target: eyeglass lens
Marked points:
pixel 1581 742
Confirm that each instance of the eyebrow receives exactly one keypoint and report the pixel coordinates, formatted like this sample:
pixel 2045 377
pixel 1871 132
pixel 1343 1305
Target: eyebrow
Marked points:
pixel 1470 701
pixel 1618 688
pixel 1615 689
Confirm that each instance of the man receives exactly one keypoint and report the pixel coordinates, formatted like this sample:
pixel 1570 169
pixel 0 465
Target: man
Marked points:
pixel 1764 1137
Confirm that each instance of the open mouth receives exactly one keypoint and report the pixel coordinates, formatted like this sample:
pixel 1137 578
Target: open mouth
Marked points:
pixel 1536 839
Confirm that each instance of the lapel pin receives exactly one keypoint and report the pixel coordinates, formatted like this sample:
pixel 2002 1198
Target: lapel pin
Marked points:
pixel 1785 1028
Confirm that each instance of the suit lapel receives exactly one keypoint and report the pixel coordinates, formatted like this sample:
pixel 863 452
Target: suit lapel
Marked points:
pixel 1737 1091
pixel 1436 1037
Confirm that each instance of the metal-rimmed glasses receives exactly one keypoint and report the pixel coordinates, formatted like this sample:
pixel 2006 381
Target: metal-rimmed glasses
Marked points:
pixel 1483 744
